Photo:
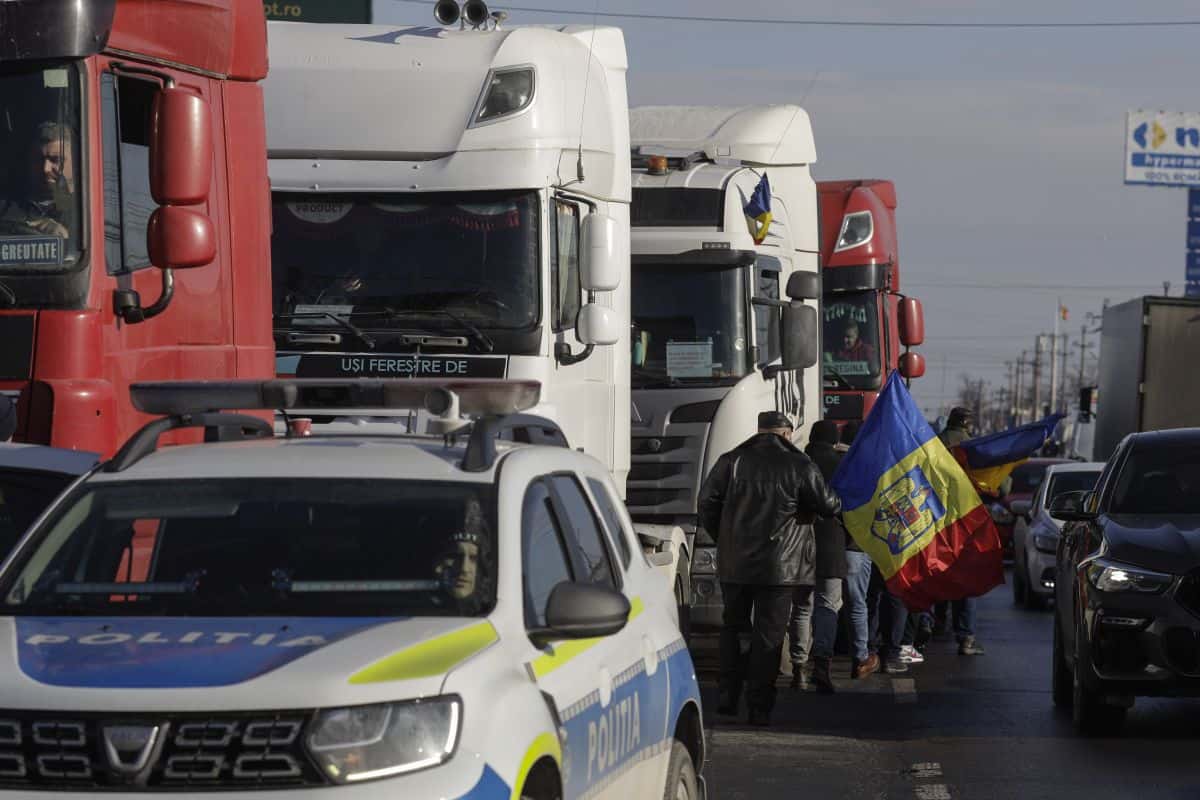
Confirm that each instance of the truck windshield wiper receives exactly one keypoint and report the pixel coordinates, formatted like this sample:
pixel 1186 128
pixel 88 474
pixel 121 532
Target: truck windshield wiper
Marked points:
pixel 482 339
pixel 341 322
pixel 839 377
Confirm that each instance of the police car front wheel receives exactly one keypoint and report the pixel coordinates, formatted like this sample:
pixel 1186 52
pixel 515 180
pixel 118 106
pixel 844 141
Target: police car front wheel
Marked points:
pixel 681 776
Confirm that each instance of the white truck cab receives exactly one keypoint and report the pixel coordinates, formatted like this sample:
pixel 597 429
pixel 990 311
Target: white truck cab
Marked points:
pixel 351 616
pixel 455 203
pixel 724 321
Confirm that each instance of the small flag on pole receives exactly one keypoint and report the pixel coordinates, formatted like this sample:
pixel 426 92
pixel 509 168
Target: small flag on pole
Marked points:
pixel 758 210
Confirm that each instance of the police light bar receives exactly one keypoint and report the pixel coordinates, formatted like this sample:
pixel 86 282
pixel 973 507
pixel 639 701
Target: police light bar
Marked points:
pixel 474 397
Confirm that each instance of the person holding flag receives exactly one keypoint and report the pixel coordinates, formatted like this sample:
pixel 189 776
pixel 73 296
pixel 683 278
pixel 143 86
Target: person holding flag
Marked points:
pixel 910 506
pixel 963 610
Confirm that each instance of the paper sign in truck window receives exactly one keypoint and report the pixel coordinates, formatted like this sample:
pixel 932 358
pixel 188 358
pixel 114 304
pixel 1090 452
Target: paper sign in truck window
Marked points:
pixel 690 359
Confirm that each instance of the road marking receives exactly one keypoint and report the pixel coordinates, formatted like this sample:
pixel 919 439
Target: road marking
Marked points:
pixel 905 690
pixel 928 769
pixel 932 791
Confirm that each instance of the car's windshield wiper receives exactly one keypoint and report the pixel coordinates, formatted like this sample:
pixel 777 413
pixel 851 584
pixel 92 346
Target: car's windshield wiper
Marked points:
pixel 367 339
pixel 839 377
pixel 8 298
pixel 482 339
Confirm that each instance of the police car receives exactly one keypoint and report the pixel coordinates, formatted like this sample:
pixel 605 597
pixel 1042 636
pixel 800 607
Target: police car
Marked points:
pixel 466 615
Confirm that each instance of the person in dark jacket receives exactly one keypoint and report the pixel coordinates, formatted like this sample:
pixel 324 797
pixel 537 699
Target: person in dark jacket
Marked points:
pixel 958 430
pixel 759 501
pixel 813 624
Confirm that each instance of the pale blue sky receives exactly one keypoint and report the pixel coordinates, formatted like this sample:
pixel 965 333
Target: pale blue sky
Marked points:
pixel 1005 145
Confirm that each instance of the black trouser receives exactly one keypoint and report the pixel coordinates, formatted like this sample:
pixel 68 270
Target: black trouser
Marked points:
pixel 763 611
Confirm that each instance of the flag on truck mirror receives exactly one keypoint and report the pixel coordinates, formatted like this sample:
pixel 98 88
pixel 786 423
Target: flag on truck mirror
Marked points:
pixel 910 507
pixel 758 210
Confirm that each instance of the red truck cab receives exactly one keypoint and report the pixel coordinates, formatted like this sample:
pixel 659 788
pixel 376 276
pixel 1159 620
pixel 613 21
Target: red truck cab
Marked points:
pixel 133 150
pixel 868 324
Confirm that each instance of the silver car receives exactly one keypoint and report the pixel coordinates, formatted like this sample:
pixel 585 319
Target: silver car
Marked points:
pixel 1035 534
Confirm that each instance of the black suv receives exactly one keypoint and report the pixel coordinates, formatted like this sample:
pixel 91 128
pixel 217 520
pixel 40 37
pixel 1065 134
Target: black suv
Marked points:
pixel 1127 596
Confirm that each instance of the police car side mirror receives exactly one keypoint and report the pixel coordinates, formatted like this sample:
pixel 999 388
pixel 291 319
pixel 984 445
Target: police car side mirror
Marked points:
pixel 585 611
pixel 1071 507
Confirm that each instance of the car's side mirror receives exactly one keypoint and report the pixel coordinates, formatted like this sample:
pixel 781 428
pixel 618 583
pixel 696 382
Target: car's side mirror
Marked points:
pixel 584 611
pixel 1021 508
pixel 1071 507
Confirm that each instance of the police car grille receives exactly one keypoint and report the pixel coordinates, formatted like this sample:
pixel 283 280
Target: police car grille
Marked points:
pixel 55 752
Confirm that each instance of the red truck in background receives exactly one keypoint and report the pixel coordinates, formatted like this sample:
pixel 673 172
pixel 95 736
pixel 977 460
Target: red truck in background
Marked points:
pixel 134 208
pixel 868 324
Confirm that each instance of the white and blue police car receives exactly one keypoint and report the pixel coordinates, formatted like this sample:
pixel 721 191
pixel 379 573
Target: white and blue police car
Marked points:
pixel 458 616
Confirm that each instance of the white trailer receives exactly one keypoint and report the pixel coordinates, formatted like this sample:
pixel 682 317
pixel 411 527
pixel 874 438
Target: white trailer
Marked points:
pixel 724 326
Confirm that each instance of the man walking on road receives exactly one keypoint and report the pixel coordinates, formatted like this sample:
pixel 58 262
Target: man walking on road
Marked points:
pixel 812 628
pixel 759 501
pixel 858 584
pixel 958 430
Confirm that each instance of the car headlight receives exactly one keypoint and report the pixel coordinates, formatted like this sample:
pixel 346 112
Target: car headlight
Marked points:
pixel 1001 515
pixel 1045 542
pixel 1109 576
pixel 705 560
pixel 506 91
pixel 367 742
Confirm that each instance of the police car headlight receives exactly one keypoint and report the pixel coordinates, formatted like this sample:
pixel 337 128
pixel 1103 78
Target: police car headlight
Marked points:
pixel 377 741
pixel 1110 576
pixel 1045 542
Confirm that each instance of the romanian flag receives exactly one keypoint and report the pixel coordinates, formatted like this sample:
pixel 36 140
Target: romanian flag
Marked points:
pixel 988 460
pixel 910 506
pixel 758 210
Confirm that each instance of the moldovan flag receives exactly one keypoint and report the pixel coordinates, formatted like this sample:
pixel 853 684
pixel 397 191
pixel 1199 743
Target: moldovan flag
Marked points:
pixel 988 460
pixel 758 210
pixel 912 509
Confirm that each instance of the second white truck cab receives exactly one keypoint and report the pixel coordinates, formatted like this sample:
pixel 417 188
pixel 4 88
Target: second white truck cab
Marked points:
pixel 724 317
pixel 455 204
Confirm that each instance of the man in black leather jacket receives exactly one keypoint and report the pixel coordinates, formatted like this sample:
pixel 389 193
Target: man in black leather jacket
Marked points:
pixel 759 502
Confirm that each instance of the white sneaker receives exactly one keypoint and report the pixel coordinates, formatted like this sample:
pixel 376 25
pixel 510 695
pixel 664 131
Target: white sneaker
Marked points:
pixel 910 655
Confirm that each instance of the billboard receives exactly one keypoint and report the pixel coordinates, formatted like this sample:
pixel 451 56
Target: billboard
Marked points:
pixel 1162 148
pixel 319 10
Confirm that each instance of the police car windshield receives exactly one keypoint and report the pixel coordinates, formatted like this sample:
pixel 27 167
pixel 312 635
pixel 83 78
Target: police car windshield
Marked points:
pixel 474 254
pixel 262 547
pixel 39 158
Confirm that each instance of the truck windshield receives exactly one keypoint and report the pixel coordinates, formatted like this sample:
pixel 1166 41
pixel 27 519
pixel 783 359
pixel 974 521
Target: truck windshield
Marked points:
pixel 365 256
pixel 262 547
pixel 851 343
pixel 40 216
pixel 689 326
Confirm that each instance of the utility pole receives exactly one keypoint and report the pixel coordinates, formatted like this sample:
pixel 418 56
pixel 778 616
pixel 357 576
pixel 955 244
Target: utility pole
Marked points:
pixel 1063 403
pixel 1009 412
pixel 1083 348
pixel 1021 387
pixel 1054 358
pixel 1037 376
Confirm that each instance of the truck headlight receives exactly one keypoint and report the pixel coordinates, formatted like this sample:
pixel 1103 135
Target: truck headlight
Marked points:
pixel 1001 515
pixel 367 742
pixel 1110 576
pixel 505 92
pixel 1045 542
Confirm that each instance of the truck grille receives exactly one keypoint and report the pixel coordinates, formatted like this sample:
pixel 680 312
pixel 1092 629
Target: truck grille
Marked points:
pixel 639 498
pixel 76 752
pixel 654 470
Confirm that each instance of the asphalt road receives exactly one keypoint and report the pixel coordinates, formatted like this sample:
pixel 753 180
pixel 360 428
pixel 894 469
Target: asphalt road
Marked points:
pixel 954 727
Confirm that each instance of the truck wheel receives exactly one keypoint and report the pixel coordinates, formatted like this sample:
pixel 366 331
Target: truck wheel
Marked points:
pixel 681 775
pixel 1091 715
pixel 1061 680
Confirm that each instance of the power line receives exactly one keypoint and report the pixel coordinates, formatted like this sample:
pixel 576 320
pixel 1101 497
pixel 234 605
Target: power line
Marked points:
pixel 1057 287
pixel 844 23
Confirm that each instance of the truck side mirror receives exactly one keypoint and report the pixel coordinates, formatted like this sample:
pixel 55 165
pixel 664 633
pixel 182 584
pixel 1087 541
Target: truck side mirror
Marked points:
pixel 600 254
pixel 181 148
pixel 803 286
pixel 912 365
pixel 912 322
pixel 800 335
pixel 180 238
pixel 597 325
